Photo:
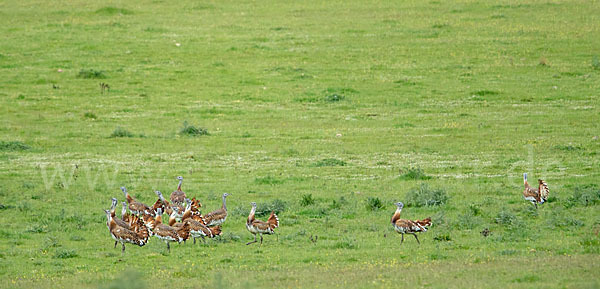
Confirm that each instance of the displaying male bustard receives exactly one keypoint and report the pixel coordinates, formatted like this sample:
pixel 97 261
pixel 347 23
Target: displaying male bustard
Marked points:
pixel 403 226
pixel 136 207
pixel 169 234
pixel 219 216
pixel 537 195
pixel 124 235
pixel 178 196
pixel 259 227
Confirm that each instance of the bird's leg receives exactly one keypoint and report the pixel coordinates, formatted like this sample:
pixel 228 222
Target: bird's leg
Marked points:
pixel 115 244
pixel 203 240
pixel 194 240
pixel 535 205
pixel 402 239
pixel 416 238
pixel 123 250
pixel 261 239
pixel 252 241
pixel 168 247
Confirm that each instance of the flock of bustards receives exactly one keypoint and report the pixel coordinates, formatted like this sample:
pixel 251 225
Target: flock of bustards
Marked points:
pixel 185 219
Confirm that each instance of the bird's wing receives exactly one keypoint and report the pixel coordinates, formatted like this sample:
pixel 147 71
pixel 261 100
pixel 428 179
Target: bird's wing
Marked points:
pixel 215 215
pixel 262 227
pixel 409 226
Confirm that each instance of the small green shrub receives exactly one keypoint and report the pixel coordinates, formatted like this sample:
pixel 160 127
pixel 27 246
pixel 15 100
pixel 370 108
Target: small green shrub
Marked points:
pixel 346 243
pixel 591 244
pixel 485 92
pixel 12 146
pixel 588 195
pixel 91 74
pixel 467 221
pixel 113 11
pixel 339 203
pixel 506 218
pixel 374 204
pixel 65 254
pixel 334 97
pixel 307 200
pixel 121 132
pixel 424 196
pixel 90 115
pixel 442 237
pixel 330 163
pixel 475 209
pixel 190 130
pixel 265 209
pixel 414 174
pixel 558 220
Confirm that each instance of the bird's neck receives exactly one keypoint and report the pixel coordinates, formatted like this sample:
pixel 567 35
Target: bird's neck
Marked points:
pixel 251 216
pixel 396 215
pixel 179 186
pixel 224 205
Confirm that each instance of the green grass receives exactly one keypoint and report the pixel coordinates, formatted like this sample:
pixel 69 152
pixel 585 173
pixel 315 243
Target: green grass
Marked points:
pixel 323 99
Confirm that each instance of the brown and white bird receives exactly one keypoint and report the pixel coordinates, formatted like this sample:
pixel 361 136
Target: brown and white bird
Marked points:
pixel 537 195
pixel 169 234
pixel 198 228
pixel 168 207
pixel 259 227
pixel 219 216
pixel 136 207
pixel 178 196
pixel 123 235
pixel 403 226
pixel 120 222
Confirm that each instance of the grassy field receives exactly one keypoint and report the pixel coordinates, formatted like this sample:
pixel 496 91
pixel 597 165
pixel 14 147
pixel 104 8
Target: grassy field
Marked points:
pixel 328 112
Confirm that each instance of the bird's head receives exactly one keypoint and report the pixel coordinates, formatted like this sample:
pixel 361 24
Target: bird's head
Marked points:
pixel 114 202
pixel 253 204
pixel 400 205
pixel 226 195
pixel 124 190
pixel 180 178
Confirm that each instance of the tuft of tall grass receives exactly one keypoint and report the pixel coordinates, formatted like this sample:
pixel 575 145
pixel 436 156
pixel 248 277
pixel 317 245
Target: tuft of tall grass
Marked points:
pixel 121 132
pixel 507 218
pixel 423 196
pixel 307 200
pixel 374 204
pixel 91 74
pixel 65 254
pixel 331 162
pixel 190 130
pixel 265 209
pixel 414 174
pixel 12 146
pixel 588 195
